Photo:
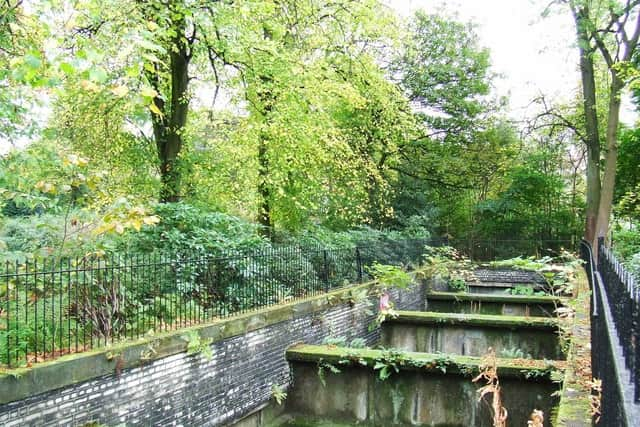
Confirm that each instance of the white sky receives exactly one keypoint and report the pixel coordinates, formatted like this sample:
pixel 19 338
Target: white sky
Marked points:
pixel 534 55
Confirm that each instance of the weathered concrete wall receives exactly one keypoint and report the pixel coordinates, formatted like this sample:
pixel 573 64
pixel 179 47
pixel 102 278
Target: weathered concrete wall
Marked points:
pixel 412 397
pixel 509 305
pixel 157 383
pixel 473 334
pixel 498 288
pixel 495 281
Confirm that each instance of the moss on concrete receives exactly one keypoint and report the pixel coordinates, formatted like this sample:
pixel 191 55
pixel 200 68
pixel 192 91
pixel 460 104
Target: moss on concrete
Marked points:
pixel 453 364
pixel 575 408
pixel 419 396
pixel 471 340
pixel 486 320
pixel 515 299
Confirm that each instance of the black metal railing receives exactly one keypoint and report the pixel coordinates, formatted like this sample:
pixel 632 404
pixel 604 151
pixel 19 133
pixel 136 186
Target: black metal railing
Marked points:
pixel 494 249
pixel 53 307
pixel 624 301
pixel 615 333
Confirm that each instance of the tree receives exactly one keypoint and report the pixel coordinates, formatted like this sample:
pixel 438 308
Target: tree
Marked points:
pixel 296 60
pixel 23 69
pixel 446 73
pixel 170 79
pixel 612 29
pixel 628 174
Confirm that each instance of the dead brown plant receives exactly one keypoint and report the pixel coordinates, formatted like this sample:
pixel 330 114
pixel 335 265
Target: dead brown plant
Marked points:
pixel 536 419
pixel 489 376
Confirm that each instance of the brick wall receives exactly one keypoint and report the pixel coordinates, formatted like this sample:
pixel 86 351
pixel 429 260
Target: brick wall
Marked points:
pixel 184 390
pixel 508 276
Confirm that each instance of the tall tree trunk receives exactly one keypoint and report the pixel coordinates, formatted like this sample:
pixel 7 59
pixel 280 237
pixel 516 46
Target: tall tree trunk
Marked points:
pixel 587 74
pixel 266 98
pixel 264 214
pixel 169 124
pixel 611 156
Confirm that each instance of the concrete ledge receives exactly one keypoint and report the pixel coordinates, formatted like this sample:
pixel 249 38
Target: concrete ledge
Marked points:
pixel 510 299
pixel 527 369
pixel 20 383
pixel 484 320
pixel 574 409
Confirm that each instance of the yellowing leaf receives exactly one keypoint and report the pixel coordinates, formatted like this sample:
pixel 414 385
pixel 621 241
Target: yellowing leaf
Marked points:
pixel 150 220
pixel 136 224
pixel 154 108
pixel 148 92
pixel 71 159
pixel 89 86
pixel 120 91
pixel 46 187
pixel 138 210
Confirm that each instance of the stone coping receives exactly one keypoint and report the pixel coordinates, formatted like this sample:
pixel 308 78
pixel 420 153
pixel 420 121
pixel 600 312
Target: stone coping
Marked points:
pixel 575 401
pixel 508 299
pixel 438 363
pixel 478 320
pixel 20 383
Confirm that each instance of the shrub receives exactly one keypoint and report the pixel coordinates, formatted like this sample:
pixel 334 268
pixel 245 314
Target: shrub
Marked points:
pixel 626 244
pixel 184 229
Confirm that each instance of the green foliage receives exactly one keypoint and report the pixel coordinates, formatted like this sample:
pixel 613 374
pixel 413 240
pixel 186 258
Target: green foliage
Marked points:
pixel 278 394
pixel 389 363
pixel 558 273
pixel 634 265
pixel 445 70
pixel 530 264
pixel 389 276
pixel 358 343
pixel 627 174
pixel 324 367
pixel 626 245
pixel 353 297
pixel 534 206
pixel 447 263
pixel 342 341
pixel 458 285
pixel 524 290
pixel 629 206
pixel 184 229
pixel 196 345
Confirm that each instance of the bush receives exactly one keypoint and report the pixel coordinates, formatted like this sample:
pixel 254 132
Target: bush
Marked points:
pixel 634 265
pixel 386 247
pixel 184 229
pixel 626 244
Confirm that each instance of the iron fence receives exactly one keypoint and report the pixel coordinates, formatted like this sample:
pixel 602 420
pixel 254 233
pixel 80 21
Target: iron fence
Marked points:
pixel 494 249
pixel 52 307
pixel 615 334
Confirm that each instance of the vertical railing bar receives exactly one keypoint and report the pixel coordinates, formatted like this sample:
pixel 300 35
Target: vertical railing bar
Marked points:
pixel 8 318
pixel 36 303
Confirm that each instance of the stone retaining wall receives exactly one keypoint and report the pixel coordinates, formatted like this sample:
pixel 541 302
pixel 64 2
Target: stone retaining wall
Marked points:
pixel 156 383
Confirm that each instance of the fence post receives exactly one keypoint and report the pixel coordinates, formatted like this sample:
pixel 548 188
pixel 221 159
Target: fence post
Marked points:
pixel 599 253
pixel 359 264
pixel 326 271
